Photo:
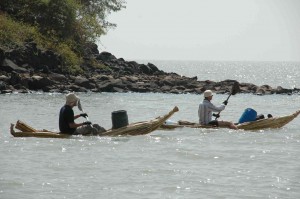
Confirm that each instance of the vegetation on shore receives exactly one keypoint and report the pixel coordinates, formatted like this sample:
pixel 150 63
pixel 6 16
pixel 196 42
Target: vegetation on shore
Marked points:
pixel 63 26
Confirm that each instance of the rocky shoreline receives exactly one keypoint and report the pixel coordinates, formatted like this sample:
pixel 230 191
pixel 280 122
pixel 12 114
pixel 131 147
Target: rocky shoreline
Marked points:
pixel 27 68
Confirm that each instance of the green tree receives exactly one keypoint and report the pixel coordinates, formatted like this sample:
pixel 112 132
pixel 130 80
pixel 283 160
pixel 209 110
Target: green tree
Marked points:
pixel 92 16
pixel 59 19
pixel 27 11
pixel 64 26
pixel 80 20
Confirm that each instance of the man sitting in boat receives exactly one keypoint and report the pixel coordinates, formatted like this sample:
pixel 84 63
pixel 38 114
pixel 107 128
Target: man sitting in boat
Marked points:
pixel 206 108
pixel 66 119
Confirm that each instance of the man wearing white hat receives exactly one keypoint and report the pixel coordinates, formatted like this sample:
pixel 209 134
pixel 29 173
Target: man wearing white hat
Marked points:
pixel 66 118
pixel 206 108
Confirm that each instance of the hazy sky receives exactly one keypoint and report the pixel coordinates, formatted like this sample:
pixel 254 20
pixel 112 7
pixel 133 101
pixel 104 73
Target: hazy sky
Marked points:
pixel 232 30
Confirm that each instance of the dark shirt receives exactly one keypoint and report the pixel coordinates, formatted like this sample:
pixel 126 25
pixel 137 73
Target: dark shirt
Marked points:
pixel 66 116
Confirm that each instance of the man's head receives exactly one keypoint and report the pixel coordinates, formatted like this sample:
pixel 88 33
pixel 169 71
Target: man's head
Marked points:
pixel 208 94
pixel 72 99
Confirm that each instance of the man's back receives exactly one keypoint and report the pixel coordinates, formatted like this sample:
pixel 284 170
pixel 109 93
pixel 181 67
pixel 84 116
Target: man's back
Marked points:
pixel 205 111
pixel 66 116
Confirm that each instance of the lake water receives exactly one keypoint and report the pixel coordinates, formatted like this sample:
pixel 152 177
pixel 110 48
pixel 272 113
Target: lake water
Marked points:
pixel 184 163
pixel 285 74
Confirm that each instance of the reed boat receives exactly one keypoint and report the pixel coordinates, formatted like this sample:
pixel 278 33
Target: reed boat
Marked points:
pixel 268 123
pixel 138 128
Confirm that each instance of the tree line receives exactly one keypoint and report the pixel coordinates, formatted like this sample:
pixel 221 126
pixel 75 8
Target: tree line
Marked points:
pixel 64 26
pixel 80 20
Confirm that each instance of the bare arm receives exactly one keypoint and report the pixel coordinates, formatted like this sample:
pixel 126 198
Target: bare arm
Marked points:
pixel 76 116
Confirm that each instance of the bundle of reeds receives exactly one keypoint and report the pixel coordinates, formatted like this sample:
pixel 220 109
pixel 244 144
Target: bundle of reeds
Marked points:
pixel 269 123
pixel 276 122
pixel 39 134
pixel 22 126
pixel 140 128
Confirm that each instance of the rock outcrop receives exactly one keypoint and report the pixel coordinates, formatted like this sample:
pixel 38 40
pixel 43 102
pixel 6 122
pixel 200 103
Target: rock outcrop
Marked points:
pixel 28 68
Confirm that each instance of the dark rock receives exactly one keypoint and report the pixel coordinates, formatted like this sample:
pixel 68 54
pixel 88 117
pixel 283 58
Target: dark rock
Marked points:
pixel 31 47
pixel 145 69
pixel 81 81
pixel 54 90
pixel 22 91
pixel 281 90
pixel 75 88
pixel 9 66
pixel 27 66
pixel 18 79
pixel 167 82
pixel 105 56
pixel 3 86
pixel 91 48
pixel 4 78
pixel 84 82
pixel 182 82
pixel 180 88
pixel 192 85
pixel 43 69
pixel 19 86
pixel 58 77
pixel 108 85
pixel 48 61
pixel 152 67
pixel 118 90
pixel 175 91
pixel 38 82
pixel 194 78
pixel 120 61
pixel 6 91
pixel 189 91
pixel 1 55
pixel 296 90
pixel 132 79
pixel 248 88
pixel 153 85
pixel 104 77
pixel 165 88
pixel 105 87
pixel 265 89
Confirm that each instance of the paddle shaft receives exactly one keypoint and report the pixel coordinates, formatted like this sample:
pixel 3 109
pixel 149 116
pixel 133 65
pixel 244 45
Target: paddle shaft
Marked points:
pixel 87 117
pixel 225 100
pixel 234 89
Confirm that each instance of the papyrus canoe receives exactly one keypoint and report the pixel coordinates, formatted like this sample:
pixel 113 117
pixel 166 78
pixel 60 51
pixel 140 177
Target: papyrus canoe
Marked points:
pixel 268 123
pixel 139 128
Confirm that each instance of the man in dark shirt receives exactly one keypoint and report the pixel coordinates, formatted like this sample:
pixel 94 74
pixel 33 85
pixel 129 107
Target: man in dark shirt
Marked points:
pixel 66 116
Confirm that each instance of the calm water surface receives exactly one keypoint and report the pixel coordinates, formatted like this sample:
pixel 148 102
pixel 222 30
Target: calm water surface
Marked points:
pixel 184 163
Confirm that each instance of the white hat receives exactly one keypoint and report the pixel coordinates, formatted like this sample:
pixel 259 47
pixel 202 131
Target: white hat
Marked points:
pixel 208 93
pixel 71 97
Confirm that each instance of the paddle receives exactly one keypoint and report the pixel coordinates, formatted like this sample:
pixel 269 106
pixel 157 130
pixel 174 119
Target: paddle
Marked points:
pixel 234 89
pixel 81 109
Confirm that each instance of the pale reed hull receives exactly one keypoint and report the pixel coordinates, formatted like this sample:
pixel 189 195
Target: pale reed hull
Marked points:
pixel 269 123
pixel 139 128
